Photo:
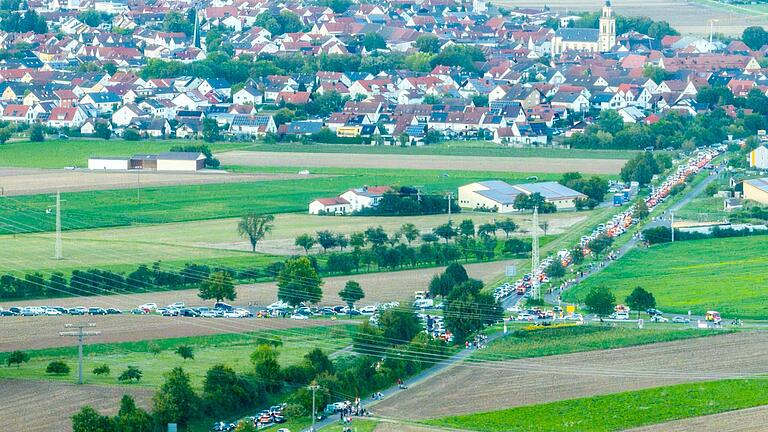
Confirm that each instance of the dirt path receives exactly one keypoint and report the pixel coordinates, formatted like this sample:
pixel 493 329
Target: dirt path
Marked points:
pixel 500 385
pixel 44 406
pixel 461 163
pixel 24 333
pixel 28 181
pixel 745 420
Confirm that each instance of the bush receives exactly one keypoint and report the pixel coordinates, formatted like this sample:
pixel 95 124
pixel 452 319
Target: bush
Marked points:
pixel 57 367
pixel 101 370
pixel 37 133
pixel 131 135
pixel 130 374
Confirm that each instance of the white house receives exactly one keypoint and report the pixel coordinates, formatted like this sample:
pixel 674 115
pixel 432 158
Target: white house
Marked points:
pixel 758 158
pixel 127 114
pixel 247 96
pixel 336 205
pixel 364 197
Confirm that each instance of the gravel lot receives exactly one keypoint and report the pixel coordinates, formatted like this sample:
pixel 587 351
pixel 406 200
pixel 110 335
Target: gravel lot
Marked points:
pixel 43 331
pixel 468 389
pixel 29 181
pixel 460 163
pixel 44 406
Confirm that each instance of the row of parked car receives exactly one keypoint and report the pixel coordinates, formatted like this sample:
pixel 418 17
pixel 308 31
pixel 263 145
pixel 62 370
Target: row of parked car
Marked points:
pixel 57 310
pixel 266 418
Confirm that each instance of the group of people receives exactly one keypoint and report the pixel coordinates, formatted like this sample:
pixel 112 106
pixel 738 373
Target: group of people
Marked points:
pixel 479 341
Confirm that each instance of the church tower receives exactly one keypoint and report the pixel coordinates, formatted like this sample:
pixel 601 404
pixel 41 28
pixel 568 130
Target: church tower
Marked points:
pixel 607 38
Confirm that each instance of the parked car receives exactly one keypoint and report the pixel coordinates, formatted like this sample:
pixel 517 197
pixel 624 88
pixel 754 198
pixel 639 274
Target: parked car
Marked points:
pixel 299 317
pixel 52 312
pixel 78 311
pixel 139 311
pixel 189 312
pixel 96 311
pixel 148 306
pixel 8 313
pixel 680 320
pixel 113 311
pixel 659 319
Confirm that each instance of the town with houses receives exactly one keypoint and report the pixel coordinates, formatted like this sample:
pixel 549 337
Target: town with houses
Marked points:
pixel 523 76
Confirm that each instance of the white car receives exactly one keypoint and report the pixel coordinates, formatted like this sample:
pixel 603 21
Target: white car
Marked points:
pixel 525 317
pixel 659 319
pixel 148 306
pixel 299 317
pixel 52 312
pixel 368 310
pixel 177 305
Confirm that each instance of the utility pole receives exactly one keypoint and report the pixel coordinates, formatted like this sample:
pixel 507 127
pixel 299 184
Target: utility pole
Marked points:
pixel 58 225
pixel 535 253
pixel 314 388
pixel 672 224
pixel 138 186
pixel 449 198
pixel 81 334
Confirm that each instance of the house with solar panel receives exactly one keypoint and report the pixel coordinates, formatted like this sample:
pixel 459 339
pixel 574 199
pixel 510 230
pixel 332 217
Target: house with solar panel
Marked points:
pixel 252 126
pixel 499 196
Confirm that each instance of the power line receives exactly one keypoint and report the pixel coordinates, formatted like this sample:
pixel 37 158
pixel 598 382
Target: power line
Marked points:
pixel 80 334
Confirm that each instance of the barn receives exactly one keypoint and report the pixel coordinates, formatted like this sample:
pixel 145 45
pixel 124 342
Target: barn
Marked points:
pixel 168 161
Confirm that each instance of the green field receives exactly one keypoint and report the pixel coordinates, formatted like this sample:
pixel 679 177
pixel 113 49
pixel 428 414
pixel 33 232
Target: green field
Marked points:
pixel 230 349
pixel 564 340
pixel 450 148
pixel 214 201
pixel 75 152
pixel 619 411
pixel 727 275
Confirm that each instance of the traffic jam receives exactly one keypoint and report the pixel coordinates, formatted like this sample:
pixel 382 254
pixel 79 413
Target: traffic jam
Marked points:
pixel 618 225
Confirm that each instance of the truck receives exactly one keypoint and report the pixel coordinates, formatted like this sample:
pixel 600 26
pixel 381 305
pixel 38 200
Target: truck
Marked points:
pixel 618 199
pixel 713 317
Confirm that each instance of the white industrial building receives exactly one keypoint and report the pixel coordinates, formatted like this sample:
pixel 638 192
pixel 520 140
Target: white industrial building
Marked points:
pixel 500 196
pixel 168 161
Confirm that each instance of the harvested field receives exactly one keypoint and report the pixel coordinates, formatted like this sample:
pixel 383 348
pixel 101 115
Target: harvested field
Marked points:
pixel 744 420
pixel 687 17
pixel 388 426
pixel 421 162
pixel 36 406
pixel 547 379
pixel 30 181
pixel 43 332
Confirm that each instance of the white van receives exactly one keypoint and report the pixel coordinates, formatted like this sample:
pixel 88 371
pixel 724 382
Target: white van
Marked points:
pixel 423 303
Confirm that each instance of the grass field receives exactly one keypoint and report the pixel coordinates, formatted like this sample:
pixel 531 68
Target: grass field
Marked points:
pixel 619 411
pixel 75 152
pixel 231 349
pixel 727 275
pixel 184 203
pixel 564 340
pixel 450 148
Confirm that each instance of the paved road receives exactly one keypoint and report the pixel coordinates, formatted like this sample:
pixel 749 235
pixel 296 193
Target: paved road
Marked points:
pixel 663 220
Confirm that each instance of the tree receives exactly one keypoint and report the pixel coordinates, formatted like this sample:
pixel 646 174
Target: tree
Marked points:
pixel 218 286
pixel 37 133
pixel 319 362
pixel 399 325
pixel 610 121
pixel 467 228
pixel 376 236
pixel 255 227
pixel 130 418
pixel 556 269
pixel 600 301
pixel 599 244
pixel 326 240
pixel 266 367
pixel 640 299
pixel 373 41
pixel 487 230
pixel 130 374
pixel 468 310
pixel 754 37
pixel 17 358
pixel 428 43
pixel 186 352
pixel 224 390
pixel 641 210
pixel 89 420
pixel 656 73
pixel 299 282
pixel 57 367
pixel 445 231
pixel 103 131
pixel 131 135
pixel 175 401
pixel 101 370
pixel 211 130
pixel 507 225
pixel 577 255
pixel 351 293
pixel 410 232
pixel 306 242
pixel 245 426
pixel 5 134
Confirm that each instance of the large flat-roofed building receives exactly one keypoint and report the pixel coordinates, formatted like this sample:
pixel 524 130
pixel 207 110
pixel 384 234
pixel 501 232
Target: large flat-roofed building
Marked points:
pixel 500 196
pixel 168 161
pixel 756 190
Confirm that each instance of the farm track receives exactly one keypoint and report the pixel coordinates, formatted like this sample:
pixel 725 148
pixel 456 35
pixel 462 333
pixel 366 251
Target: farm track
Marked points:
pixel 466 389
pixel 26 333
pixel 421 162
pixel 44 406
pixel 30 181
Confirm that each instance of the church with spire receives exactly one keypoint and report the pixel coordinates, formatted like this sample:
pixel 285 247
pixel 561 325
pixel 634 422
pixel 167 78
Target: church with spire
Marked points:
pixel 601 39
